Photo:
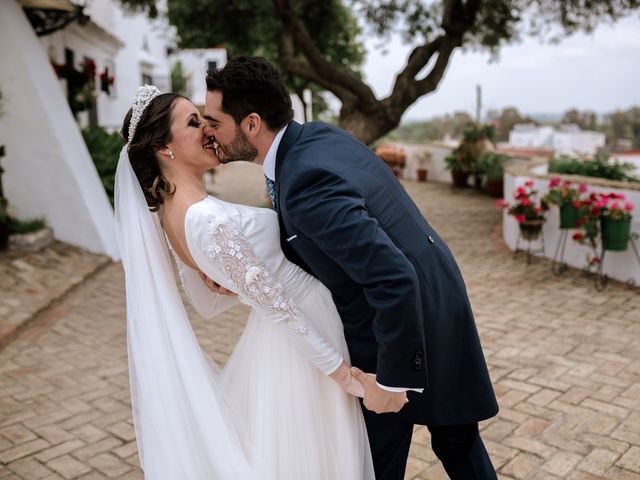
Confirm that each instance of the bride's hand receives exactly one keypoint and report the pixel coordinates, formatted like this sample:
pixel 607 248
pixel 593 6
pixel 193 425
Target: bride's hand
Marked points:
pixel 343 377
pixel 213 286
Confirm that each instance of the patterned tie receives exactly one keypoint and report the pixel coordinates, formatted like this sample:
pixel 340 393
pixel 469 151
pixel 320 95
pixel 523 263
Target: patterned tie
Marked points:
pixel 271 190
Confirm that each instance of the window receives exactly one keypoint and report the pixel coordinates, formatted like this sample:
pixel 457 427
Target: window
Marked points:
pixel 212 65
pixel 147 79
pixel 69 57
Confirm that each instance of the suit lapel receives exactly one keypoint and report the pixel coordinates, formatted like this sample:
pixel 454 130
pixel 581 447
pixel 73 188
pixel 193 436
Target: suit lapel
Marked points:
pixel 290 137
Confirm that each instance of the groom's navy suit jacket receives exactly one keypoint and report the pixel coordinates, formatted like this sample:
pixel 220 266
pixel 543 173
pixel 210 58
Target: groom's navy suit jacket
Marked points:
pixel 346 220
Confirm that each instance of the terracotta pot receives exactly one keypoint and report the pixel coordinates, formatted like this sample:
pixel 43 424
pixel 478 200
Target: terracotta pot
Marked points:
pixel 531 229
pixel 460 179
pixel 495 188
pixel 422 174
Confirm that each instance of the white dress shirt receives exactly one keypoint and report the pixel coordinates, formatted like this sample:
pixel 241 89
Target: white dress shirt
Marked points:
pixel 269 168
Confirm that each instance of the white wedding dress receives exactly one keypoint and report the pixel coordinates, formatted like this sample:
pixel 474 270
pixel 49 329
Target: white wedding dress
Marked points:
pixel 292 420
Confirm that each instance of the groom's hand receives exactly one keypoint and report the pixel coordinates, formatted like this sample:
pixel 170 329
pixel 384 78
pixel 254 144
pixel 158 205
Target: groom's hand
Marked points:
pixel 377 399
pixel 213 286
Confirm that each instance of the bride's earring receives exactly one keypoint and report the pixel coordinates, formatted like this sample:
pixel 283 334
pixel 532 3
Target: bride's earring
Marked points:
pixel 171 155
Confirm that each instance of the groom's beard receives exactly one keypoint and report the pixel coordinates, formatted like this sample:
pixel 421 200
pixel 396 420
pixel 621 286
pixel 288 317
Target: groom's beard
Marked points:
pixel 239 150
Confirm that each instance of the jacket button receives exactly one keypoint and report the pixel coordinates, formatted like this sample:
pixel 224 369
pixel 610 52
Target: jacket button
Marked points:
pixel 430 239
pixel 417 362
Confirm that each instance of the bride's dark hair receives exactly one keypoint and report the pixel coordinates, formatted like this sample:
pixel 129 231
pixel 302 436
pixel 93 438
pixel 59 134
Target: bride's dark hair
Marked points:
pixel 152 133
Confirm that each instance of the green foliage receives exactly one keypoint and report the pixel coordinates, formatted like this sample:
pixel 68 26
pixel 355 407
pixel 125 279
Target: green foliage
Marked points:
pixel 451 125
pixel 600 166
pixel 474 132
pixel 476 139
pixel 623 124
pixel 104 148
pixel 586 120
pixel 251 27
pixel 4 207
pixel 255 27
pixel 492 164
pixel 505 120
pixel 179 80
pixel 21 227
pixel 453 163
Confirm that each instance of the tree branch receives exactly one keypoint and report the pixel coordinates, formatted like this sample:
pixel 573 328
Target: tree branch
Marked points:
pixel 332 76
pixel 457 19
pixel 301 69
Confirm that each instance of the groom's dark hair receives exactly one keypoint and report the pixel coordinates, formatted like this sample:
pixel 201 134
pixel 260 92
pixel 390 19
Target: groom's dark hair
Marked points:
pixel 251 84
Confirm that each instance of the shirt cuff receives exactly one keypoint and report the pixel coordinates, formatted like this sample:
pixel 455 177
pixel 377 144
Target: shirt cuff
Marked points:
pixel 400 389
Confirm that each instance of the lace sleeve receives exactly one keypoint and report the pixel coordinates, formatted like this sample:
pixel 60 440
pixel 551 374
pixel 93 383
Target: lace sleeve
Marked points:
pixel 249 275
pixel 204 301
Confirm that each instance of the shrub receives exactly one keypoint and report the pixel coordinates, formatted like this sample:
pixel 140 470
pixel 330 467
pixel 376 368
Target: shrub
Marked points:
pixel 600 166
pixel 104 148
pixel 27 226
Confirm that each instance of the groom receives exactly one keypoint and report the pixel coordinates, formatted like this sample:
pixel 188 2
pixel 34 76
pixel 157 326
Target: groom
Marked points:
pixel 345 219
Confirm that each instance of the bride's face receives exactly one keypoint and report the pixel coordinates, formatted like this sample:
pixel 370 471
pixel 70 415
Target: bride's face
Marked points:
pixel 189 144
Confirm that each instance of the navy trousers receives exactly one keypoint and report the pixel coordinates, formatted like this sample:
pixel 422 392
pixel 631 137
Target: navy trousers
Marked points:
pixel 459 448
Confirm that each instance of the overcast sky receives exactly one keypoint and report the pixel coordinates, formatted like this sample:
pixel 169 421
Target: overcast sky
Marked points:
pixel 600 72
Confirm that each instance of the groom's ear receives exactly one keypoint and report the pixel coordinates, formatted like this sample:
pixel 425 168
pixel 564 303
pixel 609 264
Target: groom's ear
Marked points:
pixel 252 124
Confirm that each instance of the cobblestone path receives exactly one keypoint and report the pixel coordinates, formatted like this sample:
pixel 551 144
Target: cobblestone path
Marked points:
pixel 564 359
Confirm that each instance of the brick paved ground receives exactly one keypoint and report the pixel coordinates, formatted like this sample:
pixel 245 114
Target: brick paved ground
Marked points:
pixel 29 282
pixel 565 361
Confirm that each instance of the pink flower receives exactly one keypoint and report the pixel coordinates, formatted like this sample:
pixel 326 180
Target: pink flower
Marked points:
pixel 582 188
pixel 525 202
pixel 520 218
pixel 566 184
pixel 555 181
pixel 576 204
pixel 520 192
pixel 628 206
pixel 578 236
pixel 501 203
pixel 528 183
pixel 621 196
pixel 537 210
pixel 615 206
pixel 600 204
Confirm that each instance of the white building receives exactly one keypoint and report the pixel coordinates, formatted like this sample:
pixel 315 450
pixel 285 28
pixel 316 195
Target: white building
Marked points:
pixel 567 140
pixel 528 135
pixel 128 49
pixel 196 62
pixel 571 140
pixel 48 170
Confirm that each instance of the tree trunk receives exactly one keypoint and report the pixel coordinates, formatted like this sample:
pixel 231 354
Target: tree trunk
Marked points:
pixel 368 126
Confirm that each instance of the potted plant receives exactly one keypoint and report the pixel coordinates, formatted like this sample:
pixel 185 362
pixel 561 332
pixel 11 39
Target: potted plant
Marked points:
pixel 527 210
pixel 615 221
pixel 459 176
pixel 476 139
pixel 422 171
pixel 569 200
pixel 393 156
pixel 492 165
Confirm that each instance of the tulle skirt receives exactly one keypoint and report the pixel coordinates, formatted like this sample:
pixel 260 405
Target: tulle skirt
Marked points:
pixel 298 422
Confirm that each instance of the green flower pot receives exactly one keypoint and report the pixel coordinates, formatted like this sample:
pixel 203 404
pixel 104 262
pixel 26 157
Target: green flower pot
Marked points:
pixel 568 216
pixel 615 234
pixel 531 229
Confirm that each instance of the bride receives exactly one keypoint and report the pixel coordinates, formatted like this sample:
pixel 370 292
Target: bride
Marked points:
pixel 283 407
